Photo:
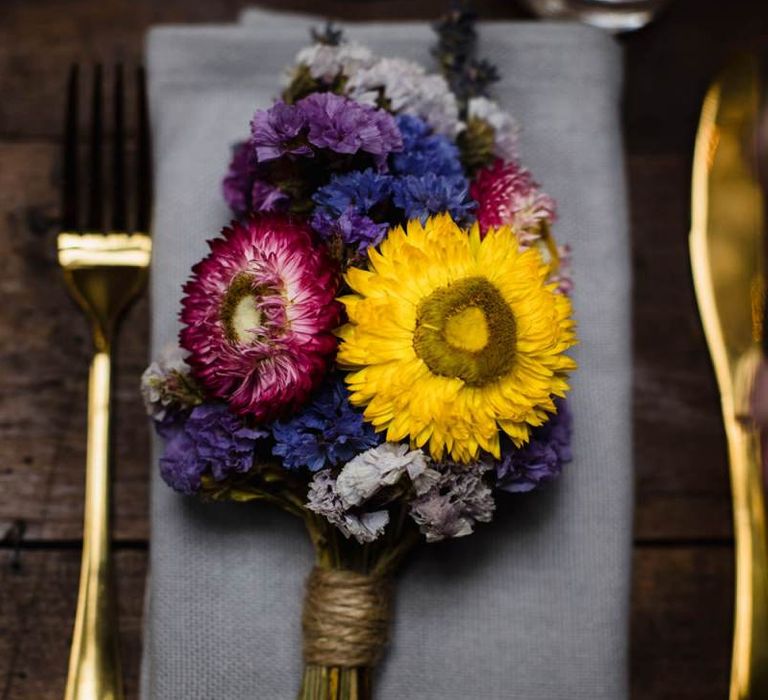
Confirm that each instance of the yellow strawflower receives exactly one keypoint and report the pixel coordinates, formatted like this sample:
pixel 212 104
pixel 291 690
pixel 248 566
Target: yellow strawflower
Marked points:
pixel 453 337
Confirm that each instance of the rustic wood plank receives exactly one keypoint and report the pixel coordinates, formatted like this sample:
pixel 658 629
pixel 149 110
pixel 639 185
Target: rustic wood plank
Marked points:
pixel 680 454
pixel 670 63
pixel 43 369
pixel 38 42
pixel 38 593
pixel 680 623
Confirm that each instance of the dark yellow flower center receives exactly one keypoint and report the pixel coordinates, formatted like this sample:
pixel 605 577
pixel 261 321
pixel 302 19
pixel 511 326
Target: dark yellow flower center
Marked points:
pixel 466 330
pixel 239 311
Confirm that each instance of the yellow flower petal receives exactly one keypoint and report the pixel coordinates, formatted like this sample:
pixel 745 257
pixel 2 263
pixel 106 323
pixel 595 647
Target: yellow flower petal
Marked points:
pixel 468 376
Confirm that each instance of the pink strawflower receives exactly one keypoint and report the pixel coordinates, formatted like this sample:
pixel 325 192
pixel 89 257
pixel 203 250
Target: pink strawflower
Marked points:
pixel 259 314
pixel 563 276
pixel 506 194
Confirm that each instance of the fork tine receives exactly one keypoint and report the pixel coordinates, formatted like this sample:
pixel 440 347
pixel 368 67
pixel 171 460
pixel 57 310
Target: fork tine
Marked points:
pixel 143 158
pixel 118 155
pixel 95 201
pixel 70 193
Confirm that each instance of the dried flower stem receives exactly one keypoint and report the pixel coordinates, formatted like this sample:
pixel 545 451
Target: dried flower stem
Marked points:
pixel 335 683
pixel 380 559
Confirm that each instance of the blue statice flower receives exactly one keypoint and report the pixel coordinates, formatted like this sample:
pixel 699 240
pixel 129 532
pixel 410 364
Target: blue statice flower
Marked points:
pixel 424 151
pixel 422 196
pixel 541 459
pixel 344 206
pixel 327 433
pixel 361 190
pixel 352 228
pixel 210 440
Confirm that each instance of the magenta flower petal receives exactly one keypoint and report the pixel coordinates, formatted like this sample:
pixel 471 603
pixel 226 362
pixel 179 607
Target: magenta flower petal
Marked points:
pixel 506 194
pixel 259 314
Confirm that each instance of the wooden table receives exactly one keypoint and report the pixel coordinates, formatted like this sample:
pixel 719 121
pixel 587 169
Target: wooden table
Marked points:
pixel 683 573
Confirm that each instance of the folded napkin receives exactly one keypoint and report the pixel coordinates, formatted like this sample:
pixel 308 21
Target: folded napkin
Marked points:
pixel 532 606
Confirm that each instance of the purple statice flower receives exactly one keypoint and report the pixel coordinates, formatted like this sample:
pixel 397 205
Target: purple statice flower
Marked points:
pixel 541 459
pixel 327 433
pixel 342 125
pixel 243 191
pixel 278 131
pixel 324 120
pixel 355 230
pixel 211 440
pixel 265 197
pixel 421 196
pixel 458 498
pixel 238 181
pixel 424 151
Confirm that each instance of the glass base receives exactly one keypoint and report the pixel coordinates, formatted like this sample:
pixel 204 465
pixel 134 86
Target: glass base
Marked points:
pixel 611 15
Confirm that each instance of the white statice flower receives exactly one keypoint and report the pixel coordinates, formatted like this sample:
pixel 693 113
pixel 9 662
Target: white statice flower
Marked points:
pixel 379 467
pixel 365 527
pixel 341 500
pixel 437 106
pixel 326 62
pixel 504 125
pixel 408 89
pixel 323 499
pixel 457 500
pixel 395 78
pixel 167 383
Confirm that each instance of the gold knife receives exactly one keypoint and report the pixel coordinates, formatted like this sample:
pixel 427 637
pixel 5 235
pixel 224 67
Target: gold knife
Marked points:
pixel 727 255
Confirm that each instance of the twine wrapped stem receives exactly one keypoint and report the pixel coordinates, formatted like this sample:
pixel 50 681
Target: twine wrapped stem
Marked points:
pixel 345 625
pixel 346 618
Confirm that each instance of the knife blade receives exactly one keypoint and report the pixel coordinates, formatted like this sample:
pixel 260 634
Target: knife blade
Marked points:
pixel 727 258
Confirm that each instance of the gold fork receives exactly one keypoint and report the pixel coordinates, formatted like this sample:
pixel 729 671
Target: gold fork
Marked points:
pixel 105 269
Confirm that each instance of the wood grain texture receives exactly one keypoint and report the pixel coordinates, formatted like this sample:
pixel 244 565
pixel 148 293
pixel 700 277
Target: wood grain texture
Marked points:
pixel 683 560
pixel 680 454
pixel 38 593
pixel 38 41
pixel 43 369
pixel 681 623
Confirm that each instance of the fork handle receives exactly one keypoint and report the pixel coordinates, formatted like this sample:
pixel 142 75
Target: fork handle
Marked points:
pixel 749 670
pixel 94 663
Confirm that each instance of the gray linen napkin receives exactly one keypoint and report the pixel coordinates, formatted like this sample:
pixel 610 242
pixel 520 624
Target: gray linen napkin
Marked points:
pixel 532 606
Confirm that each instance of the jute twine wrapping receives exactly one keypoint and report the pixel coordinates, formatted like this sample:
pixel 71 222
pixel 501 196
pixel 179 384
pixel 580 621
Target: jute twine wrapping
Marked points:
pixel 346 618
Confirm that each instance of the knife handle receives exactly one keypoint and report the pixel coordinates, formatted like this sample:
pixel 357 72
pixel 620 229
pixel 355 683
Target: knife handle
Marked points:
pixel 749 670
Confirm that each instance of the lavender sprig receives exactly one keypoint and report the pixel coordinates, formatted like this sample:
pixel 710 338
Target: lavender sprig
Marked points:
pixel 455 52
pixel 330 34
